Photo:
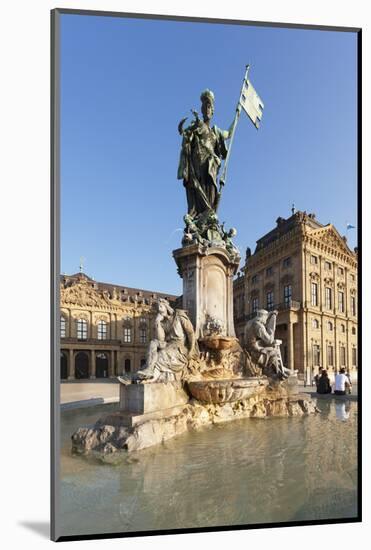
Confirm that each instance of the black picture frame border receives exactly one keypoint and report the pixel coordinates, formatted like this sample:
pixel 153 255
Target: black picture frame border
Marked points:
pixel 55 270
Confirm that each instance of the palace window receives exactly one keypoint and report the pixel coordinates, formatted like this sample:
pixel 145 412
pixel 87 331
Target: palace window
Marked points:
pixel 330 356
pixel 255 304
pixel 143 334
pixel 342 356
pixel 127 335
pixel 102 330
pixel 287 294
pixel 352 277
pixel 315 323
pixel 287 262
pixel 63 327
pixel 314 260
pixel 353 330
pixel 316 355
pixel 328 266
pixel 328 297
pixel 270 300
pixel 342 328
pixel 314 294
pixel 254 279
pixel 353 305
pixel 82 329
pixel 330 326
pixel 341 301
pixel 340 271
pixel 269 271
pixel 354 357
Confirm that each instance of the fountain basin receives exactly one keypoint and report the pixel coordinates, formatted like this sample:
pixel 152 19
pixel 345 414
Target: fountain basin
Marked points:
pixel 218 342
pixel 226 390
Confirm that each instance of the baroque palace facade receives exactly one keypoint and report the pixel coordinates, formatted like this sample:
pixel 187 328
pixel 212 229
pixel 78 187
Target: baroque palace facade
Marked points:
pixel 307 272
pixel 105 329
pixel 302 268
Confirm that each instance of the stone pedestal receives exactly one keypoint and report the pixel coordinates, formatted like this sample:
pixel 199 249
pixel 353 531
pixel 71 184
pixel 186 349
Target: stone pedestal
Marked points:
pixel 141 403
pixel 146 398
pixel 207 274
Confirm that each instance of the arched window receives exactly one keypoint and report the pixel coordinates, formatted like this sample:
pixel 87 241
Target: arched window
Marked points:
pixel 315 323
pixel 82 329
pixel 102 330
pixel 101 365
pixel 330 326
pixel 63 327
pixel 127 366
pixel 64 372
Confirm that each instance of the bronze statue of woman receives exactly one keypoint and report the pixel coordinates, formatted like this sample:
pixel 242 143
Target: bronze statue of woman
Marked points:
pixel 203 149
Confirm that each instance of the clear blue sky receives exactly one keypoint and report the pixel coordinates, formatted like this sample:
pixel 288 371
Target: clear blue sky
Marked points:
pixel 125 85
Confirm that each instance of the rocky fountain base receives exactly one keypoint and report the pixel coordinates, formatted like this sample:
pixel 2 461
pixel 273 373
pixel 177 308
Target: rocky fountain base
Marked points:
pixel 153 413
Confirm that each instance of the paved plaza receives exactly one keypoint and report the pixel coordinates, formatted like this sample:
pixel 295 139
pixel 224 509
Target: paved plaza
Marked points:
pixel 79 394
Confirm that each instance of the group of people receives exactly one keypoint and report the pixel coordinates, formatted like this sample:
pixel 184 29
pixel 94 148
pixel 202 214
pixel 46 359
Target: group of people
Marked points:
pixel 342 384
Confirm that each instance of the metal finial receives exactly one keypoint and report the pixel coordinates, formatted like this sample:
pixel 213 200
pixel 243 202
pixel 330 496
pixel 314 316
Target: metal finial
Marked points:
pixel 81 264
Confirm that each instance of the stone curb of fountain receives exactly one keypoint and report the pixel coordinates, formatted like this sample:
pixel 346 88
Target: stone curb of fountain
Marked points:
pixel 83 403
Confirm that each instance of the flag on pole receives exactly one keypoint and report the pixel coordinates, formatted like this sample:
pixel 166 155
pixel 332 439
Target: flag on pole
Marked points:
pixel 350 226
pixel 251 103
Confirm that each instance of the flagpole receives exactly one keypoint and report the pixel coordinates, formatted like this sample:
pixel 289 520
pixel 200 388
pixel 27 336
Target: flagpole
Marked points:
pixel 234 124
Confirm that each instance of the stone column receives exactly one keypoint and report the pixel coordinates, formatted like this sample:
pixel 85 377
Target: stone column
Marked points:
pixel 207 275
pixel 70 321
pixel 114 327
pixel 93 365
pixel 111 368
pixel 91 327
pixel 291 345
pixel 71 365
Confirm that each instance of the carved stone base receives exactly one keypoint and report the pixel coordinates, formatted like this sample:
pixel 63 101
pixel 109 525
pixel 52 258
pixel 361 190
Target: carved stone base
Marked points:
pixel 124 431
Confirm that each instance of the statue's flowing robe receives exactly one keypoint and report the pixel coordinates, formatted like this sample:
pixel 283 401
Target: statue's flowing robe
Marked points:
pixel 203 149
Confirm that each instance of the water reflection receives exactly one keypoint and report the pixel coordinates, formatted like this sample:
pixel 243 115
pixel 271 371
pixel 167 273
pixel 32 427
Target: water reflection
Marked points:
pixel 342 410
pixel 249 471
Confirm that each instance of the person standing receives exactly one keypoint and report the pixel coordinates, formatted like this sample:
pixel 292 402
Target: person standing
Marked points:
pixel 342 383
